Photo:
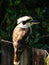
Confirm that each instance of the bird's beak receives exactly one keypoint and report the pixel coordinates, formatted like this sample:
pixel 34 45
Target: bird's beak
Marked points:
pixel 35 22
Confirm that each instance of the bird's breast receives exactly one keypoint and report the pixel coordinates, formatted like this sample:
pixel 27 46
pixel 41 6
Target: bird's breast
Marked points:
pixel 20 34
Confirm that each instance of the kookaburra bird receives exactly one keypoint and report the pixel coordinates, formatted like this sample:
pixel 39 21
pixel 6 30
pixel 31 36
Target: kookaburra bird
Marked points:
pixel 21 33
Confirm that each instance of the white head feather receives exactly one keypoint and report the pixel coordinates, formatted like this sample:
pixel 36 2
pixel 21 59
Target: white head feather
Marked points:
pixel 24 18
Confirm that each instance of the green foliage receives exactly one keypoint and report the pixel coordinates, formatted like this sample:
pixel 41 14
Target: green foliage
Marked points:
pixel 34 8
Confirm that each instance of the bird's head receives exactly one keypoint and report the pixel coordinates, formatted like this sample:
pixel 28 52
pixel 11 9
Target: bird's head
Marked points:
pixel 27 21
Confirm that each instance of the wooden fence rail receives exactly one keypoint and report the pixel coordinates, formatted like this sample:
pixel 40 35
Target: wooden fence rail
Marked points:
pixel 30 56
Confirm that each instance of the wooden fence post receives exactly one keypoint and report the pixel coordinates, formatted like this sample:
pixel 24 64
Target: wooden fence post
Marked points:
pixel 38 56
pixel 7 53
pixel 26 57
pixel 30 56
pixel 33 57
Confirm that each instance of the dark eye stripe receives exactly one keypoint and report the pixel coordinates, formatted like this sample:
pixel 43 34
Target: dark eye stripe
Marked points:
pixel 24 22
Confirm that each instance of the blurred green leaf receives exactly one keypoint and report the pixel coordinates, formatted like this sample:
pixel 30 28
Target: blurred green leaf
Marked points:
pixel 0 51
pixel 9 11
pixel 17 2
pixel 36 40
pixel 10 2
pixel 46 47
pixel 37 34
pixel 48 29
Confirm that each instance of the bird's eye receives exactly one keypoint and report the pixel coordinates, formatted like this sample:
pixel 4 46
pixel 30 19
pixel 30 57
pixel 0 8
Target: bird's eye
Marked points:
pixel 24 22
